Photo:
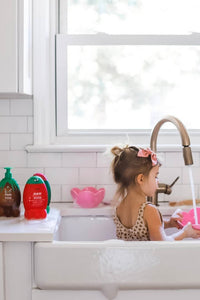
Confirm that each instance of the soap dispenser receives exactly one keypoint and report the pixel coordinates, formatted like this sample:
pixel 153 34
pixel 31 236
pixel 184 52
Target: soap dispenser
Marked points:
pixel 10 196
pixel 35 198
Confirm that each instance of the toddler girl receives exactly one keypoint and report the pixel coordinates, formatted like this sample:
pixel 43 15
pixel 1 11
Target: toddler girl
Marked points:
pixel 136 171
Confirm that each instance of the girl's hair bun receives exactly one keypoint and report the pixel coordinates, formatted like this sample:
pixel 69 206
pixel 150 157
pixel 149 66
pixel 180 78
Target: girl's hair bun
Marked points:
pixel 116 151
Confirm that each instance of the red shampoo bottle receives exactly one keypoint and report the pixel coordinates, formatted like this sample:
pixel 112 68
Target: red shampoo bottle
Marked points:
pixel 35 198
pixel 48 189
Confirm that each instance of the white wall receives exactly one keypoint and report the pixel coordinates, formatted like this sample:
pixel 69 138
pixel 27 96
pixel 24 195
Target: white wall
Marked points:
pixel 67 170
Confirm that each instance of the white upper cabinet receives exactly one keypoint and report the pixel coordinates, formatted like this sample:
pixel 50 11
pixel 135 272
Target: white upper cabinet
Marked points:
pixel 1 272
pixel 15 46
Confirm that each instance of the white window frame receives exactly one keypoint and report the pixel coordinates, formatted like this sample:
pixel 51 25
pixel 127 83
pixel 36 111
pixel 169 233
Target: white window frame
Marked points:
pixel 45 90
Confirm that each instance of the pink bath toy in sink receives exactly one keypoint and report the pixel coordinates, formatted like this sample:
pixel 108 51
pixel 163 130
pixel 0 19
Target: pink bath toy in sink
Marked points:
pixel 189 217
pixel 88 197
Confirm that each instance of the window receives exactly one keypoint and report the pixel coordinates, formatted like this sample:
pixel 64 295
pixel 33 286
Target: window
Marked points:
pixel 123 65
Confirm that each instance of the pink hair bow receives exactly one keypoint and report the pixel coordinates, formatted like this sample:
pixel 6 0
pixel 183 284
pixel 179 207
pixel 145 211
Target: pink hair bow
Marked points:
pixel 146 153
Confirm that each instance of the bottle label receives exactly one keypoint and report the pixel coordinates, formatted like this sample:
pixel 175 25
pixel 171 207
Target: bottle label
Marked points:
pixel 35 196
pixel 36 199
pixel 7 195
pixel 10 198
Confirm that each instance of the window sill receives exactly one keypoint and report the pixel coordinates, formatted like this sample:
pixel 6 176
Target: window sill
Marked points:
pixel 98 148
pixel 67 148
pixel 12 96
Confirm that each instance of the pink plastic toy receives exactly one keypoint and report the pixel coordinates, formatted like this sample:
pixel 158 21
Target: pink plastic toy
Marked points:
pixel 88 197
pixel 189 217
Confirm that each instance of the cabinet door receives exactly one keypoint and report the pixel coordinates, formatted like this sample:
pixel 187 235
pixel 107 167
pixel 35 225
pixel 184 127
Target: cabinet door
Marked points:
pixel 1 273
pixel 8 46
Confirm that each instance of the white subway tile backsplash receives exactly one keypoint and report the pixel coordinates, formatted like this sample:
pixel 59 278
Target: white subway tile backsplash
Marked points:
pixel 79 160
pixel 168 175
pixel 181 192
pixel 195 175
pixel 66 188
pixel 196 159
pixel 110 191
pixel 13 124
pixel 66 196
pixel 21 187
pixel 4 107
pixel 18 141
pixel 21 107
pixel 2 173
pixel 4 141
pixel 55 193
pixel 30 124
pixel 95 175
pixel 23 174
pixel 62 175
pixel 13 159
pixel 44 159
pixel 175 159
pixel 104 160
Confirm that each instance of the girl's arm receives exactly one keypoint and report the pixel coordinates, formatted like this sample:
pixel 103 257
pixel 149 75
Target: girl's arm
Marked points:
pixel 156 229
pixel 173 221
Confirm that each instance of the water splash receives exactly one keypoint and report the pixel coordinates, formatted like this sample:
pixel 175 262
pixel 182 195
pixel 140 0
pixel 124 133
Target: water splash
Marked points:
pixel 193 194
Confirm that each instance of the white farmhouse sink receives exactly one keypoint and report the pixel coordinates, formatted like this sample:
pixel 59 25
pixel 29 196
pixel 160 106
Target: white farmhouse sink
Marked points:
pixel 86 255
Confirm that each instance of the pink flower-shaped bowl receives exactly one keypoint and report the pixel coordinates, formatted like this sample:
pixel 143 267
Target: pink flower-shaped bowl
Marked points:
pixel 189 217
pixel 88 197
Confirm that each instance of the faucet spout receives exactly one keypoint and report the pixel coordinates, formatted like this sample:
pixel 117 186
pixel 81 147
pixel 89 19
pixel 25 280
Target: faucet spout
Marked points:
pixel 187 153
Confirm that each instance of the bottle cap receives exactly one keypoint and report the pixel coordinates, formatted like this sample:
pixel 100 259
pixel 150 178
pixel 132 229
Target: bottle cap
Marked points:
pixel 35 180
pixel 8 174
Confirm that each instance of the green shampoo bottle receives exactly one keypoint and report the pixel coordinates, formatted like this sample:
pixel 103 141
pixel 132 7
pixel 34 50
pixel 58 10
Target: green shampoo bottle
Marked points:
pixel 10 196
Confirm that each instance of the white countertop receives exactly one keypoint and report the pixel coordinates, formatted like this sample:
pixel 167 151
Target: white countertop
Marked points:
pixel 20 229
pixel 71 209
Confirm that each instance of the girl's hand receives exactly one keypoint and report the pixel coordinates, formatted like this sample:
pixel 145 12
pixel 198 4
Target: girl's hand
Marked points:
pixel 173 221
pixel 190 232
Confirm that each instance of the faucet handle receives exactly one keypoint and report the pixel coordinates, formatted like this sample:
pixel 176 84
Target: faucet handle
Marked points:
pixel 173 183
pixel 162 188
pixel 165 188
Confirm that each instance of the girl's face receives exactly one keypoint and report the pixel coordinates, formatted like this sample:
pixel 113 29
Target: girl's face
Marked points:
pixel 150 182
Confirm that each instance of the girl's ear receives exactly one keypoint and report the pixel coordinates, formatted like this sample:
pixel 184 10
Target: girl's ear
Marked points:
pixel 140 178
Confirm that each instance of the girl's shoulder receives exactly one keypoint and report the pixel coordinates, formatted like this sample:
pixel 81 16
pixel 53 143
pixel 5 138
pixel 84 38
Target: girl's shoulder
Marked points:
pixel 150 206
pixel 151 210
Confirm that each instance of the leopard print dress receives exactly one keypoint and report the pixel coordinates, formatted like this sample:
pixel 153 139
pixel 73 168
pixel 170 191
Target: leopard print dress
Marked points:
pixel 139 232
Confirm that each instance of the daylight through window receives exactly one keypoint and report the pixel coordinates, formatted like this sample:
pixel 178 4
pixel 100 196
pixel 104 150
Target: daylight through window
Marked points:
pixel 123 65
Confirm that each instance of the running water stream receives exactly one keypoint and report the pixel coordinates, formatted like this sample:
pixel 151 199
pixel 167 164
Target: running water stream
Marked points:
pixel 193 195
